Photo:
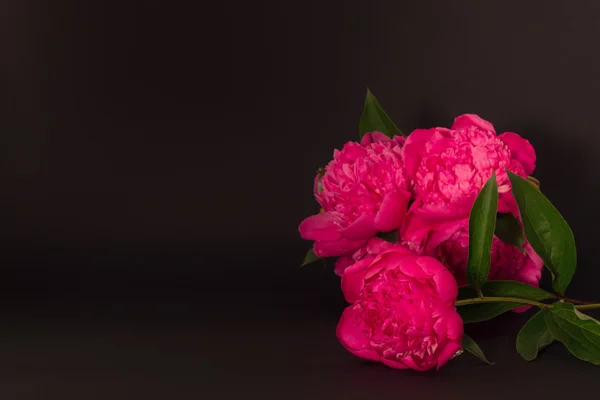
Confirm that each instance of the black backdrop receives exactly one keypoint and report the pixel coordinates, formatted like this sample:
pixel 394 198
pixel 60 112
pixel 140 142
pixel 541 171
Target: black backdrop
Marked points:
pixel 157 157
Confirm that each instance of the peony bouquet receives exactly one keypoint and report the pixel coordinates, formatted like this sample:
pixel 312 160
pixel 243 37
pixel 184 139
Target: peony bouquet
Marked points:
pixel 438 229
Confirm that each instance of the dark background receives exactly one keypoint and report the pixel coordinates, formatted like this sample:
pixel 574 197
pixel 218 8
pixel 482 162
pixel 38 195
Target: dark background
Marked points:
pixel 156 158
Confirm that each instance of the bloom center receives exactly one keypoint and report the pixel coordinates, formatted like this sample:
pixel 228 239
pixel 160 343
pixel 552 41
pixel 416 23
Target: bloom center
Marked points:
pixel 468 158
pixel 398 315
pixel 358 178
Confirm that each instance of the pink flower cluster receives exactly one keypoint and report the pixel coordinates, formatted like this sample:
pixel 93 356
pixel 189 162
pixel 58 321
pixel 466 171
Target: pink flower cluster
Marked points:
pixel 423 188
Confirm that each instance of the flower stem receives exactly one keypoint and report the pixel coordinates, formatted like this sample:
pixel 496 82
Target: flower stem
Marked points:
pixel 567 299
pixel 500 300
pixel 476 300
pixel 587 306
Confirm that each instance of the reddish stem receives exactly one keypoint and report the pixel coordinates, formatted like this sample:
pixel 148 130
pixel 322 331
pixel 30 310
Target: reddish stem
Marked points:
pixel 576 301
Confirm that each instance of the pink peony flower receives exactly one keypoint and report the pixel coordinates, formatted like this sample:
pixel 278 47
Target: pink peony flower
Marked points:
pixel 403 313
pixel 450 166
pixel 362 192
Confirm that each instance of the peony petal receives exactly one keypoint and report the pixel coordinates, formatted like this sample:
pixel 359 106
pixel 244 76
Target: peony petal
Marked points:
pixel 444 281
pixel 409 265
pixel 507 204
pixel 342 263
pixel 428 234
pixel 398 252
pixel 440 328
pixel 468 120
pixel 320 227
pixel 353 279
pixel 415 229
pixel 454 325
pixel 458 209
pixel 389 259
pixel 351 152
pixel 431 266
pixel 350 334
pixel 441 141
pixel 447 353
pixel 444 231
pixel 521 150
pixel 392 211
pixel 446 286
pixel 413 150
pixel 377 246
pixel 401 140
pixel 515 167
pixel 454 332
pixel 361 229
pixel 394 364
pixel 531 273
pixel 374 137
pixel 412 364
pixel 336 248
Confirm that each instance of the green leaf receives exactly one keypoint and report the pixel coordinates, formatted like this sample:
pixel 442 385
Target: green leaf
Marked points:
pixel 515 289
pixel 547 232
pixel 469 345
pixel 484 311
pixel 310 258
pixel 579 333
pixel 534 336
pixel 321 172
pixel 482 222
pixel 375 119
pixel 509 230
pixel 391 237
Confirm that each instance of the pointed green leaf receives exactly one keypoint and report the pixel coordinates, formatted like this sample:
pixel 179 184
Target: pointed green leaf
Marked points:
pixel 509 289
pixel 482 222
pixel 391 237
pixel 509 230
pixel 579 333
pixel 484 311
pixel 534 336
pixel 310 258
pixel 547 232
pixel 375 119
pixel 469 345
